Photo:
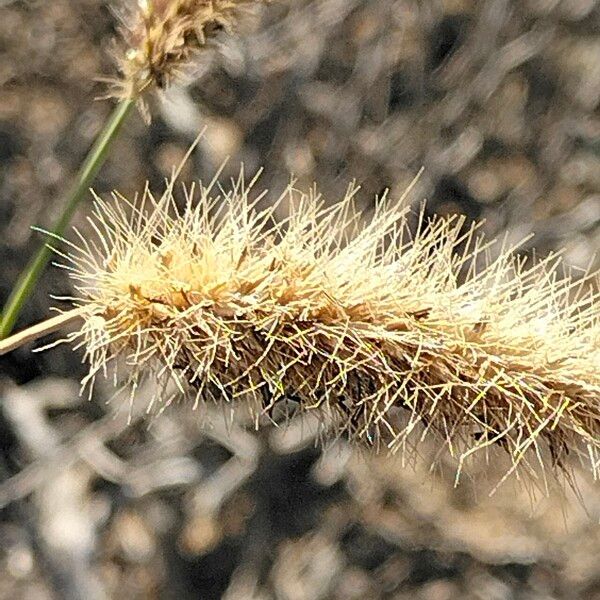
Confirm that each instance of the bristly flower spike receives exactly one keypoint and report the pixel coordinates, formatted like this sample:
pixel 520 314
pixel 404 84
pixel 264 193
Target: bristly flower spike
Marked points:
pixel 391 335
pixel 161 38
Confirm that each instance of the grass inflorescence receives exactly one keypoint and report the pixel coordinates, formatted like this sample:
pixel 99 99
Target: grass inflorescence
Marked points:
pixel 389 335
pixel 162 37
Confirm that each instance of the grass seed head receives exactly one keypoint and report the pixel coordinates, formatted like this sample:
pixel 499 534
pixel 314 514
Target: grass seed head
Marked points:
pixel 391 335
pixel 162 37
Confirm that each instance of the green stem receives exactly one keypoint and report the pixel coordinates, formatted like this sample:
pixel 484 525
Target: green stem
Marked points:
pixel 88 171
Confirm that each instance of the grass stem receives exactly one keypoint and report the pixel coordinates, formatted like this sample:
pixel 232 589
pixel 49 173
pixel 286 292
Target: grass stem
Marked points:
pixel 41 329
pixel 92 164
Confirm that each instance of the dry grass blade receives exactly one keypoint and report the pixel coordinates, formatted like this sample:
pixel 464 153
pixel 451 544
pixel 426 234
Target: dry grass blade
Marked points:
pixel 41 330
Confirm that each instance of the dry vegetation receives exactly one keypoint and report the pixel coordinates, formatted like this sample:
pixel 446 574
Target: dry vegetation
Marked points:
pixel 498 99
pixel 361 321
pixel 162 37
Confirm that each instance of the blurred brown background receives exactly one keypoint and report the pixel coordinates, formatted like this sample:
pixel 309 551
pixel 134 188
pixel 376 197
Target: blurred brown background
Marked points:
pixel 499 100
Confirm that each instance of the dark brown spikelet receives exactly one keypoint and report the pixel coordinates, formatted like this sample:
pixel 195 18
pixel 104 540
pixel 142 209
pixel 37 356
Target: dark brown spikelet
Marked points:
pixel 389 336
pixel 162 37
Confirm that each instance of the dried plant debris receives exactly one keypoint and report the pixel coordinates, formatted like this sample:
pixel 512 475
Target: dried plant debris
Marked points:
pixel 384 331
pixel 163 36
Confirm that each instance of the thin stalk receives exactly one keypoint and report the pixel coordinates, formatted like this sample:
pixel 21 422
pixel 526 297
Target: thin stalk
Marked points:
pixel 87 173
pixel 41 329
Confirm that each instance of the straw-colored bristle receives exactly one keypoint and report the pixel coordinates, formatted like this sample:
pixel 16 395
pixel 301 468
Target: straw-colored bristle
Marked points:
pixel 161 37
pixel 385 332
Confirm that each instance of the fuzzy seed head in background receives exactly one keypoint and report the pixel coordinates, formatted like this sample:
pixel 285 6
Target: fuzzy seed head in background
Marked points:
pixel 389 335
pixel 162 37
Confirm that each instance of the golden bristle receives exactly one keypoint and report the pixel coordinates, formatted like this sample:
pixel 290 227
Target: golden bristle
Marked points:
pixel 383 331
